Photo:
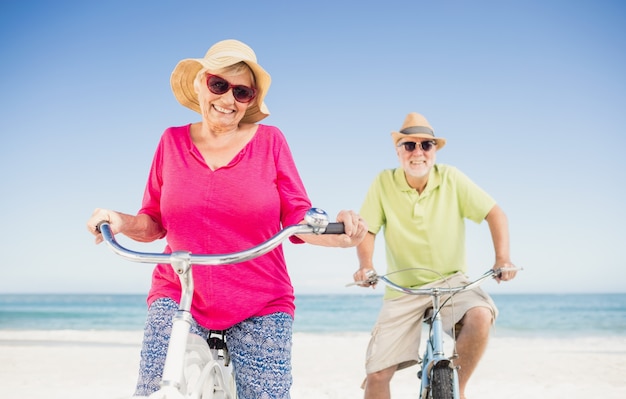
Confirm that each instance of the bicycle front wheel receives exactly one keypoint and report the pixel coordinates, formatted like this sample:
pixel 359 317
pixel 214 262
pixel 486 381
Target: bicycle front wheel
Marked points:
pixel 442 383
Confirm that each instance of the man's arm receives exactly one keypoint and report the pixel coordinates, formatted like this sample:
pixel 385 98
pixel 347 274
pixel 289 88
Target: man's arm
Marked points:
pixel 499 227
pixel 365 254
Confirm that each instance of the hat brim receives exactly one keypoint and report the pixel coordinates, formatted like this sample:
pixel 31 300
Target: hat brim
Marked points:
pixel 185 72
pixel 397 136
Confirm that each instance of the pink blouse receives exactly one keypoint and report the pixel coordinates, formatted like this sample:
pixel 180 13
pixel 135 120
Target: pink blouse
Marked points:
pixel 230 209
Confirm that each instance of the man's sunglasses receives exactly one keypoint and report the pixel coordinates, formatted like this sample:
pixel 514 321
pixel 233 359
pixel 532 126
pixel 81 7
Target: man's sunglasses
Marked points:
pixel 426 146
pixel 218 85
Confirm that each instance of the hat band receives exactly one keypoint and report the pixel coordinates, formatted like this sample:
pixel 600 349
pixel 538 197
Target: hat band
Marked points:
pixel 417 129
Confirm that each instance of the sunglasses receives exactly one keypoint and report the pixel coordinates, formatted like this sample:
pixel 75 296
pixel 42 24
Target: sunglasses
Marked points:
pixel 426 146
pixel 218 85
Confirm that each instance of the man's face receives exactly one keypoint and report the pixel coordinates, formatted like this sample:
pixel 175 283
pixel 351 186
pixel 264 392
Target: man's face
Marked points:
pixel 417 157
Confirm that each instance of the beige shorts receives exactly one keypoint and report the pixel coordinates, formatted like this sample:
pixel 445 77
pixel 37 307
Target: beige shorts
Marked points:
pixel 396 335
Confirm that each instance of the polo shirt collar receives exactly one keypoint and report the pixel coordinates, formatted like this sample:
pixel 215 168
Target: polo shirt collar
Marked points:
pixel 434 180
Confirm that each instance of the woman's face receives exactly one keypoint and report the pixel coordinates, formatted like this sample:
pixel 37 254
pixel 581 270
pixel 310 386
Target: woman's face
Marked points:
pixel 222 111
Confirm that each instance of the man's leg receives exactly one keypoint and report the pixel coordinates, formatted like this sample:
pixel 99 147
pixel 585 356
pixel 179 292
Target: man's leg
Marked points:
pixel 377 384
pixel 472 342
pixel 394 343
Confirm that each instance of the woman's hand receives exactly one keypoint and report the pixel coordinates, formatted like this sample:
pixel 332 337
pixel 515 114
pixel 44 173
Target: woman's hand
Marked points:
pixel 114 219
pixel 140 227
pixel 355 229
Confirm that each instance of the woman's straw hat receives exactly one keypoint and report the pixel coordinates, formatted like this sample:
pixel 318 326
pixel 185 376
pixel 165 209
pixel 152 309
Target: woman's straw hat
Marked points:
pixel 221 55
pixel 415 125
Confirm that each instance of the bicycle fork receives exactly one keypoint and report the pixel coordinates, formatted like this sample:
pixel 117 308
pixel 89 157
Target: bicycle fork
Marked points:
pixel 434 354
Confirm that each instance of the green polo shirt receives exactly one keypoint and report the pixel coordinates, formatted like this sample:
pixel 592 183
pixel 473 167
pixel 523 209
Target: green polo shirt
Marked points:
pixel 424 230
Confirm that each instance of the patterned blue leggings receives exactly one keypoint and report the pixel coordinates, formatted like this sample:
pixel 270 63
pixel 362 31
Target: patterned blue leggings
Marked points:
pixel 260 350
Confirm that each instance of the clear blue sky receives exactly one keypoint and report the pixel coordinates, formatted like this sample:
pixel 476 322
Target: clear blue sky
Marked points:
pixel 531 96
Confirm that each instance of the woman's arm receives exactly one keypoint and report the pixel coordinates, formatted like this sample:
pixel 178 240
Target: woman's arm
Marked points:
pixel 140 228
pixel 355 229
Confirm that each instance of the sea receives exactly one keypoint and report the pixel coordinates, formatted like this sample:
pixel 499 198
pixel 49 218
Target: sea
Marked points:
pixel 541 315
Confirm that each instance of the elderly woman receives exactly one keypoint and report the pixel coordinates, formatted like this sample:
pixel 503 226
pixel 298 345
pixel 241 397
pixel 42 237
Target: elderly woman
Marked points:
pixel 222 185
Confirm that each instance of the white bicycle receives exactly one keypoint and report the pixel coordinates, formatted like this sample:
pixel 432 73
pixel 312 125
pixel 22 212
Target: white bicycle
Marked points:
pixel 195 368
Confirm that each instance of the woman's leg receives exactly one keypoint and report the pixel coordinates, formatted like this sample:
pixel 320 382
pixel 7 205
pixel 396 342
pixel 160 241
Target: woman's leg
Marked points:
pixel 260 348
pixel 156 337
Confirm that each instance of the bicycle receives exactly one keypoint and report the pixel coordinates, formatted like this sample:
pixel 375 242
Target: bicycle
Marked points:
pixel 438 374
pixel 195 368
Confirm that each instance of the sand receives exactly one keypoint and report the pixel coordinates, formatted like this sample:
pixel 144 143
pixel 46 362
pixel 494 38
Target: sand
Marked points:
pixel 103 364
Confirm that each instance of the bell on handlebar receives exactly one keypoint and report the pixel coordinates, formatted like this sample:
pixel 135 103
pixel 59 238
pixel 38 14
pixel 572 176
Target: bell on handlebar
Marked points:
pixel 316 218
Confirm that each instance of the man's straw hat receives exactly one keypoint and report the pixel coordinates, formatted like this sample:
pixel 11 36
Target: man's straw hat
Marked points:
pixel 416 126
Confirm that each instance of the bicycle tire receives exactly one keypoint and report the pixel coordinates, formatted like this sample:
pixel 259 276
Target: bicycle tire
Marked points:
pixel 442 383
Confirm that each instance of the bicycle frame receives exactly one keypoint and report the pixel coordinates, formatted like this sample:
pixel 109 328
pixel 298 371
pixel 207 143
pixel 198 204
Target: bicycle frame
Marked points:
pixel 172 381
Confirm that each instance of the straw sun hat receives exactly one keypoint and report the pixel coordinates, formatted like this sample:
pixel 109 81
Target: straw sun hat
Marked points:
pixel 221 55
pixel 416 126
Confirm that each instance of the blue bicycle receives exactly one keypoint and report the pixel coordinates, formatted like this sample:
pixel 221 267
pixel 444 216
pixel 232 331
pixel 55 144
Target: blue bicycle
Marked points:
pixel 438 374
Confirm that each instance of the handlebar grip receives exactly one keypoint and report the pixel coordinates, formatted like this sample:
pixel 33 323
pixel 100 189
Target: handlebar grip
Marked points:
pixel 100 223
pixel 335 228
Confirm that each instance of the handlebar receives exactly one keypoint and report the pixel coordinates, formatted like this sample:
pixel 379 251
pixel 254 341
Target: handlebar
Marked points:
pixel 373 278
pixel 316 223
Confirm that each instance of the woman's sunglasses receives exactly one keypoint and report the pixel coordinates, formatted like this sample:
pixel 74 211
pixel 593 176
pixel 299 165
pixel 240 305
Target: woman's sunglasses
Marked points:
pixel 426 146
pixel 218 85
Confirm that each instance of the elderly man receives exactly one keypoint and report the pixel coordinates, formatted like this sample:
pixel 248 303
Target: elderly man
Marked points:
pixel 422 207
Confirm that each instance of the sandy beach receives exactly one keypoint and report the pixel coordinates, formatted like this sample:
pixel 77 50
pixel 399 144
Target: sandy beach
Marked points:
pixel 103 364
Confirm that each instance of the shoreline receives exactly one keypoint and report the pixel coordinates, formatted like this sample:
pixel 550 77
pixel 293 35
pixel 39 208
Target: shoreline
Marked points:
pixel 103 364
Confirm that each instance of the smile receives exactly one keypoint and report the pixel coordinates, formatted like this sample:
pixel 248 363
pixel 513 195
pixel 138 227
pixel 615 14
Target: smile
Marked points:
pixel 222 110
